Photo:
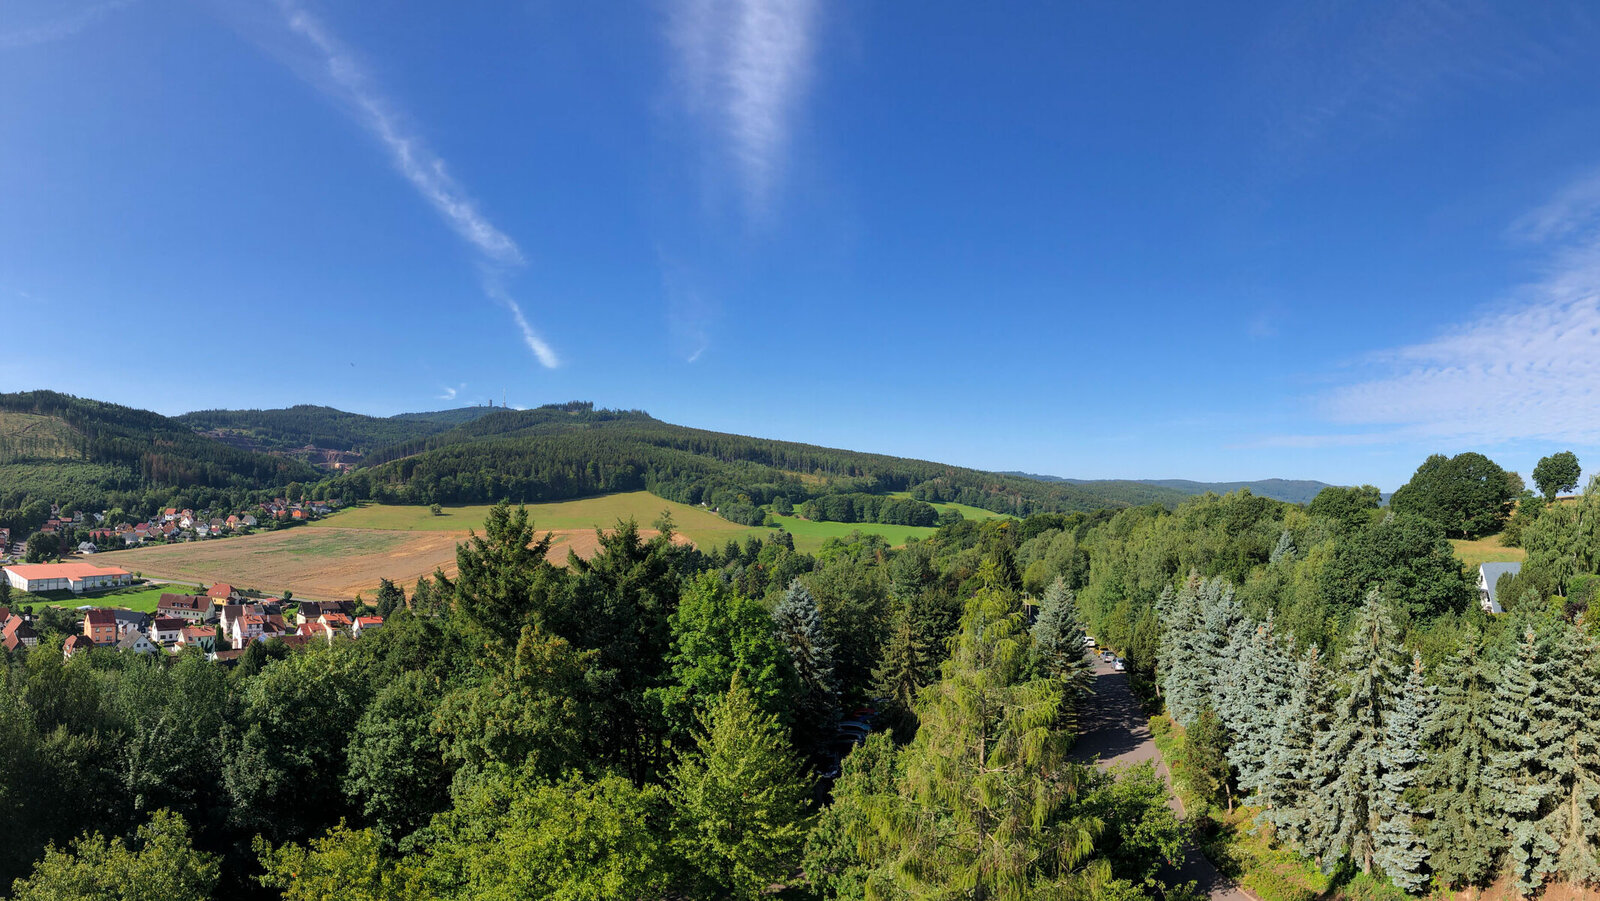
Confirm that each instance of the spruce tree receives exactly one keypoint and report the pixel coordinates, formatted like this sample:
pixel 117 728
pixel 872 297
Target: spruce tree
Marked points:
pixel 1397 847
pixel 1569 764
pixel 1464 841
pixel 798 629
pixel 1519 780
pixel 1286 785
pixel 1180 624
pixel 1266 673
pixel 1349 755
pixel 904 667
pixel 1058 651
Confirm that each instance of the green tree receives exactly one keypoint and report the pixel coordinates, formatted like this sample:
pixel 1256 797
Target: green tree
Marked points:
pixel 1058 650
pixel 1557 473
pixel 390 597
pixel 799 630
pixel 1348 508
pixel 1464 841
pixel 741 799
pixel 1396 845
pixel 342 864
pixel 159 865
pixel 1468 494
pixel 1205 758
pixel 504 580
pixel 1407 558
pixel 397 774
pixel 1286 785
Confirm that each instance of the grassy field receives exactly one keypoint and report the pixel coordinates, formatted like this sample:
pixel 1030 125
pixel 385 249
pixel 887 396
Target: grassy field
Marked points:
pixel 810 536
pixel 704 528
pixel 1486 550
pixel 140 598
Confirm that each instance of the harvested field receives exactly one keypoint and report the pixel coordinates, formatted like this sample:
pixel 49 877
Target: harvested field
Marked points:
pixel 325 563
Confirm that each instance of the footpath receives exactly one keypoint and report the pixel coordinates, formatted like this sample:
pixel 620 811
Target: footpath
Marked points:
pixel 1116 731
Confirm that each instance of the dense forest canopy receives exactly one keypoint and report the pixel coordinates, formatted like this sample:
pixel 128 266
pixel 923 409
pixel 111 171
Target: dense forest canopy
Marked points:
pixel 326 427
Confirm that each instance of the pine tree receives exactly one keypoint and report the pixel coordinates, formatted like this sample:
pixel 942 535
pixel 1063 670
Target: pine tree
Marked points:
pixel 904 667
pixel 1397 848
pixel 1564 829
pixel 1284 550
pixel 1285 783
pixel 1349 759
pixel 1181 623
pixel 798 629
pixel 1058 651
pixel 1464 841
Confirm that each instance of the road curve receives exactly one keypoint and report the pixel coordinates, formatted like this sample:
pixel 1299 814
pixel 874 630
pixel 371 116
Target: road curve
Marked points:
pixel 1116 731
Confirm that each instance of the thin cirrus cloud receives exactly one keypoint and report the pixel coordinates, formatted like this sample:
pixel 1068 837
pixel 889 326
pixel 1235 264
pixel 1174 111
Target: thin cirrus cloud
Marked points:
pixel 1528 370
pixel 745 65
pixel 62 28
pixel 343 77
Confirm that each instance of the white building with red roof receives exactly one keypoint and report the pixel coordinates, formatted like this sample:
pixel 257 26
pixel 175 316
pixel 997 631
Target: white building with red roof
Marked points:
pixel 74 577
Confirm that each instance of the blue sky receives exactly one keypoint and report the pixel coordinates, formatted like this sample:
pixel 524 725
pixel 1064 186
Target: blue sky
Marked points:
pixel 1087 240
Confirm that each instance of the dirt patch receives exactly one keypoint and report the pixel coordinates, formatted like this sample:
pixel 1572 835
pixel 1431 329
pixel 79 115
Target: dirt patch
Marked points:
pixel 325 563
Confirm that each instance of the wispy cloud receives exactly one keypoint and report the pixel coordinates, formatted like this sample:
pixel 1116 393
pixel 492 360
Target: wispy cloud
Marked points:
pixel 745 65
pixel 1528 369
pixel 449 393
pixel 63 28
pixel 342 75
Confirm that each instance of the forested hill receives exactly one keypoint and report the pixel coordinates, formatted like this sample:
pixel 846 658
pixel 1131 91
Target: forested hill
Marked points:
pixel 325 427
pixel 90 454
pixel 572 450
pixel 1292 491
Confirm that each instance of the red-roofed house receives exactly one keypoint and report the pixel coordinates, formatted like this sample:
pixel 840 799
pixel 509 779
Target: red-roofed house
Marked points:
pixel 18 634
pixel 315 630
pixel 74 644
pixel 246 628
pixel 338 622
pixel 166 629
pixel 365 624
pixel 220 590
pixel 193 608
pixel 100 626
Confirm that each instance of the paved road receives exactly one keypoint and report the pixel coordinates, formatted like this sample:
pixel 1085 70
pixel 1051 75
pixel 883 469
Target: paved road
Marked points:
pixel 1116 731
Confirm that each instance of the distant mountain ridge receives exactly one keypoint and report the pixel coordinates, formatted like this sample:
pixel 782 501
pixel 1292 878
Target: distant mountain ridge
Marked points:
pixel 1292 491
pixel 291 430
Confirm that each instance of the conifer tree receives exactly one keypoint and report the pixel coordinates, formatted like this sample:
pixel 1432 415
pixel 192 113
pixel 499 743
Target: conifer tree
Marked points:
pixel 1058 651
pixel 1397 848
pixel 1181 623
pixel 1284 550
pixel 1464 842
pixel 904 667
pixel 740 798
pixel 1285 783
pixel 1519 787
pixel 1349 755
pixel 1266 672
pixel 798 629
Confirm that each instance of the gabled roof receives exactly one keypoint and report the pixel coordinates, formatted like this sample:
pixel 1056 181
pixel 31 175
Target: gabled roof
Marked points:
pixel 220 590
pixel 100 618
pixel 1490 573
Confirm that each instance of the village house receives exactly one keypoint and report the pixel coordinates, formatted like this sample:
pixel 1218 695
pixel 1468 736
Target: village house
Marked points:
pixel 1488 592
pixel 193 608
pixel 220 590
pixel 166 629
pixel 246 628
pixel 202 637
pixel 136 643
pixel 310 611
pixel 315 630
pixel 100 626
pixel 17 633
pixel 130 621
pixel 364 624
pixel 338 622
pixel 74 577
pixel 73 645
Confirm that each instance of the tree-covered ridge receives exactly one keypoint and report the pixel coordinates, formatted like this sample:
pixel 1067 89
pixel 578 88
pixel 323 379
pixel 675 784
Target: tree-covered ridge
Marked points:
pixel 116 450
pixel 326 427
pixel 572 450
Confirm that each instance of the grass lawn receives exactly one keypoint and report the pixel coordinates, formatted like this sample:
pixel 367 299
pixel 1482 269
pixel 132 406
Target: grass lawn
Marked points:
pixel 966 511
pixel 810 536
pixel 704 528
pixel 137 597
pixel 1486 550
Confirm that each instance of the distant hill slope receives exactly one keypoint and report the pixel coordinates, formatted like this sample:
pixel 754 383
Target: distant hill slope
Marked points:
pixel 291 429
pixel 59 448
pixel 572 450
pixel 1293 491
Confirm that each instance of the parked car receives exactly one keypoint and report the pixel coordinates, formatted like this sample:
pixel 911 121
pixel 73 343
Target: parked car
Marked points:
pixel 1088 641
pixel 1119 665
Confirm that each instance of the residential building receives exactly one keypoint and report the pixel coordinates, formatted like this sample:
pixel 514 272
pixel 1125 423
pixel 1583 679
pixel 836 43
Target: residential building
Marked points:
pixel 74 644
pixel 220 590
pixel 74 577
pixel 17 633
pixel 166 629
pixel 100 626
pixel 364 624
pixel 138 644
pixel 193 608
pixel 203 637
pixel 1488 575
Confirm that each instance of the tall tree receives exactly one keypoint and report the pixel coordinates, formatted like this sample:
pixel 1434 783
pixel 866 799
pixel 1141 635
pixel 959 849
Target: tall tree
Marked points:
pixel 1467 494
pixel 799 630
pixel 1286 791
pixel 741 799
pixel 1058 650
pixel 1349 755
pixel 1464 841
pixel 161 863
pixel 1396 846
pixel 1557 473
